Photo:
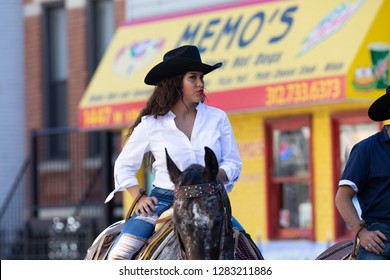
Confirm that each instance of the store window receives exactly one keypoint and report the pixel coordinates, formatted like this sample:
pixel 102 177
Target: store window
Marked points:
pixel 289 178
pixel 348 129
pixel 56 77
pixel 101 28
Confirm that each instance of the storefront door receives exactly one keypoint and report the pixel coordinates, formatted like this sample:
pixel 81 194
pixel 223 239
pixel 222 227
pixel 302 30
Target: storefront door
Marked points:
pixel 289 182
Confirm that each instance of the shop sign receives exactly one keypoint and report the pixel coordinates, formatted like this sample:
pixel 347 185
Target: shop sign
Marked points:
pixel 274 53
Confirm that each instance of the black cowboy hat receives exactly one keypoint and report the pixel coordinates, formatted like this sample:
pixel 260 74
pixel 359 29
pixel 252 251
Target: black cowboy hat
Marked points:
pixel 179 61
pixel 380 109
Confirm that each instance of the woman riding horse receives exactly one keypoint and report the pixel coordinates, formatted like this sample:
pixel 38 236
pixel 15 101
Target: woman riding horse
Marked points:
pixel 175 118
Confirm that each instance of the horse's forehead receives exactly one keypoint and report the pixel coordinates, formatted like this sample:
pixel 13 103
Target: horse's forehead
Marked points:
pixel 193 170
pixel 193 167
pixel 194 174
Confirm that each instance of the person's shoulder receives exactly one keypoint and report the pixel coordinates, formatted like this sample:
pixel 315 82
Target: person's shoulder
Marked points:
pixel 149 121
pixel 369 141
pixel 373 137
pixel 150 118
pixel 214 110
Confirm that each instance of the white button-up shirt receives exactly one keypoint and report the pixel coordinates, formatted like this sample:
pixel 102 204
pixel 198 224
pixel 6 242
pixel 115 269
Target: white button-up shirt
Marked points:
pixel 211 128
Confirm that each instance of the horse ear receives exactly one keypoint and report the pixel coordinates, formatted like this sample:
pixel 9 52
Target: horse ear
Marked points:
pixel 173 170
pixel 211 162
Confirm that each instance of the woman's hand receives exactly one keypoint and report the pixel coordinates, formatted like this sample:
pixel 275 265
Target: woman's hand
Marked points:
pixel 146 206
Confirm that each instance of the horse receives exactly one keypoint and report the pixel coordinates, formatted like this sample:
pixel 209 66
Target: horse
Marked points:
pixel 200 226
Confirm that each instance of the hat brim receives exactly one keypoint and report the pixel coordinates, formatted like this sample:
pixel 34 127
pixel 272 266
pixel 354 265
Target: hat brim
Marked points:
pixel 380 109
pixel 173 67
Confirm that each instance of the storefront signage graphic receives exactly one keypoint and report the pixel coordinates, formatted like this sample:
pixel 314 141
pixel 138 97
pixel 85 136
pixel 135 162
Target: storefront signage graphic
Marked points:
pixel 330 24
pixel 239 30
pixel 274 53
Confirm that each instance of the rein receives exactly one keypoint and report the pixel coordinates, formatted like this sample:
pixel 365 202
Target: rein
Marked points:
pixel 197 190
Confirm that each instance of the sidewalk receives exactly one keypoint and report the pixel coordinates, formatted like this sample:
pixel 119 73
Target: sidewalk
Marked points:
pixel 292 249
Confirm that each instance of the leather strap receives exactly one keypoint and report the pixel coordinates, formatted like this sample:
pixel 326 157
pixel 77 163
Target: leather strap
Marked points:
pixel 163 220
pixel 198 190
pixel 355 247
pixel 142 192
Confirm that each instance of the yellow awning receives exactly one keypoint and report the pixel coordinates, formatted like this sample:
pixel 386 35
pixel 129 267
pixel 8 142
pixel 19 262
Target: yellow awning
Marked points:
pixel 274 53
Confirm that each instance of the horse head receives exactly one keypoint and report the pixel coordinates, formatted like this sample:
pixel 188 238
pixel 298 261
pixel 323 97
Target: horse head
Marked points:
pixel 201 210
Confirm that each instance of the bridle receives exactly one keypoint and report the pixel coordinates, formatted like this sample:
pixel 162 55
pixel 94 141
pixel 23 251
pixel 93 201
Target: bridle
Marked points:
pixel 200 190
pixel 197 190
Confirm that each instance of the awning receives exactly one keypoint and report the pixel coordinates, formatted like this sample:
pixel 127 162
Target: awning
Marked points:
pixel 274 53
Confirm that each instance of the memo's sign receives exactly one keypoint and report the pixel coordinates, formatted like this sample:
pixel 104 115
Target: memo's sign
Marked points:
pixel 274 53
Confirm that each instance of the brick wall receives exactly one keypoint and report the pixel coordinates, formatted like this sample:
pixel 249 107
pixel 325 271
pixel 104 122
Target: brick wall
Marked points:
pixel 77 47
pixel 33 73
pixel 77 66
pixel 77 82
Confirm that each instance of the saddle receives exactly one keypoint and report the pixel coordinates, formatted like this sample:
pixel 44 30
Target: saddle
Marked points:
pixel 106 239
pixel 344 250
pixel 163 231
pixel 339 251
pixel 244 247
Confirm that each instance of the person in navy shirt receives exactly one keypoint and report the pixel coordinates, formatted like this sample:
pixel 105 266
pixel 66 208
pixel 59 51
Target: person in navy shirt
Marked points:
pixel 367 175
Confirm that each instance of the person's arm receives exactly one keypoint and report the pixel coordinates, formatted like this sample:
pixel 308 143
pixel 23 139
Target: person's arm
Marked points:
pixel 231 164
pixel 222 175
pixel 346 208
pixel 130 159
pixel 372 241
pixel 127 165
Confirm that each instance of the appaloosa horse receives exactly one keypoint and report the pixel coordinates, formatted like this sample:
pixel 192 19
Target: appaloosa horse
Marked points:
pixel 200 226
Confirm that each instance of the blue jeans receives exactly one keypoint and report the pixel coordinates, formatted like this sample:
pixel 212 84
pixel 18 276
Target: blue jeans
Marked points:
pixel 138 229
pixel 385 229
pixel 141 226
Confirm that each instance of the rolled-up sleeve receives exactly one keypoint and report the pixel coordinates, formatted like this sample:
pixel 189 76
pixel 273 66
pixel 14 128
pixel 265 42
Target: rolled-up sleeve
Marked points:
pixel 130 160
pixel 356 170
pixel 230 162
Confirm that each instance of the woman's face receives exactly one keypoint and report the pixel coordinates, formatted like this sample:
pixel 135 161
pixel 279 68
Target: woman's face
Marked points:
pixel 193 87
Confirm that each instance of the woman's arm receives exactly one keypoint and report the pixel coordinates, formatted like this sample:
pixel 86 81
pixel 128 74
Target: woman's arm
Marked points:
pixel 231 164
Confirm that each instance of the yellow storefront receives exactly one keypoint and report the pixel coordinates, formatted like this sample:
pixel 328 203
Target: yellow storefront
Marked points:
pixel 296 76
